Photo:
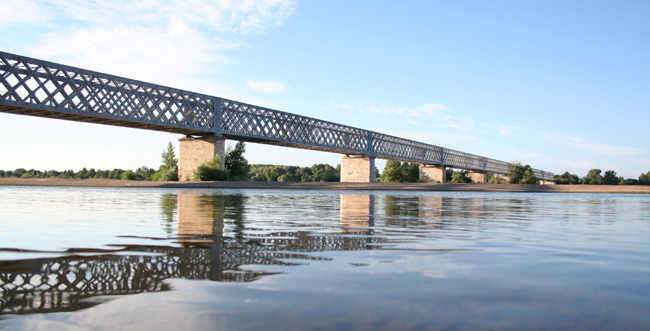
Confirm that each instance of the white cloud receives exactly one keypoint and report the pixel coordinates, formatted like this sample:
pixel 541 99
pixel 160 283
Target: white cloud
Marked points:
pixel 597 148
pixel 506 130
pixel 239 17
pixel 21 12
pixel 175 43
pixel 267 87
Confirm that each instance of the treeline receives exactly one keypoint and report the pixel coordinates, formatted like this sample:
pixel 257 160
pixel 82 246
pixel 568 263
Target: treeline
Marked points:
pixel 236 168
pixel 596 177
pixel 142 173
pixel 279 173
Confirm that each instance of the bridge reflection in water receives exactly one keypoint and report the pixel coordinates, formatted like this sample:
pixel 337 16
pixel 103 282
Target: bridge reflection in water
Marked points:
pixel 200 251
pixel 209 239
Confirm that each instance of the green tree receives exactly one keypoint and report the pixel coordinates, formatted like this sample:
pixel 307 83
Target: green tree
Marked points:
pixel 169 169
pixel 289 177
pixel 114 174
pixel 610 178
pixel 393 172
pixel 325 173
pixel 629 181
pixel 129 175
pixel 236 164
pixel 529 176
pixel 448 174
pixel 645 178
pixel 460 177
pixel 144 173
pixel 211 171
pixel 411 172
pixel 516 173
pixel 593 177
pixel 18 172
pixel 567 178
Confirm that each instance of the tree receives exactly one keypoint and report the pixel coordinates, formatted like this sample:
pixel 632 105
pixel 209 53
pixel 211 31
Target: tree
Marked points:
pixel 169 169
pixel 629 181
pixel 460 177
pixel 522 174
pixel 18 172
pixel 144 173
pixel 393 172
pixel 567 178
pixel 411 172
pixel 493 180
pixel 593 177
pixel 129 175
pixel 236 164
pixel 645 178
pixel 529 176
pixel 211 171
pixel 610 178
pixel 516 173
pixel 289 177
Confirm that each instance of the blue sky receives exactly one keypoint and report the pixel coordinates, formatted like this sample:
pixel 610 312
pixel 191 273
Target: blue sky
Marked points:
pixel 560 85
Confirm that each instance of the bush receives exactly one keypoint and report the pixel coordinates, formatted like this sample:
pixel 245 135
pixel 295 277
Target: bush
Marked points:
pixel 494 180
pixel 211 171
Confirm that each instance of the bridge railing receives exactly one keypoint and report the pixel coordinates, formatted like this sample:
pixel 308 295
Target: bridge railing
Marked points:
pixel 40 88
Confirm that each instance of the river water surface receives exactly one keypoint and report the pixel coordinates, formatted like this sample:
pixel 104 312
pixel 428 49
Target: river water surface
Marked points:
pixel 158 259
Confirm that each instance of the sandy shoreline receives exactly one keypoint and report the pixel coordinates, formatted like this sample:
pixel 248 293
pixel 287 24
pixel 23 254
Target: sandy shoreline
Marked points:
pixel 614 189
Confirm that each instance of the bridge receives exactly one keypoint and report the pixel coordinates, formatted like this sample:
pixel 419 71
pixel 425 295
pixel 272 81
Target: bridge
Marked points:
pixel 40 88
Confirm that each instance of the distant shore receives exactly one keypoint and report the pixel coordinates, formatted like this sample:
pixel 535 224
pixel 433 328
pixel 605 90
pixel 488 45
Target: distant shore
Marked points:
pixel 611 189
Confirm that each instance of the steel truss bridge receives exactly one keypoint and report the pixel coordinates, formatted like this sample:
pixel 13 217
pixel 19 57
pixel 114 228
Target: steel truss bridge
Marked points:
pixel 45 89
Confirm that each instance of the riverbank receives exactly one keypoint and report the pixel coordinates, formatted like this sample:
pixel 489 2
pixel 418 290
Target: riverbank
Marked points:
pixel 611 189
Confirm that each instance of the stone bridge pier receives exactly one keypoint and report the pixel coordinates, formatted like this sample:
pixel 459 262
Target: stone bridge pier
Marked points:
pixel 357 169
pixel 194 151
pixel 478 177
pixel 431 173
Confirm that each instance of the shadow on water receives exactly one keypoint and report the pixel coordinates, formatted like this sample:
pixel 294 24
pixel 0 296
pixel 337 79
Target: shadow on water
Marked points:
pixel 201 251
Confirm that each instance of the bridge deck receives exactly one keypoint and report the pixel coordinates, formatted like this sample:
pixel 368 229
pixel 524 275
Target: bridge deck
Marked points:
pixel 45 89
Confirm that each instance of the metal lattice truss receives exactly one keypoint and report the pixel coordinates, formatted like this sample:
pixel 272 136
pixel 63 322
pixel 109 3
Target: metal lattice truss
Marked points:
pixel 241 120
pixel 39 88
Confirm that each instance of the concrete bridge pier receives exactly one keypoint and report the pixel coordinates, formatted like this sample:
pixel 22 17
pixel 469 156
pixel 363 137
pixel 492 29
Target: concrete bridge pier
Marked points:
pixel 357 169
pixel 430 173
pixel 478 177
pixel 194 151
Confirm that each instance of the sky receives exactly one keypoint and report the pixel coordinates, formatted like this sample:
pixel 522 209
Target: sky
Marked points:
pixel 560 85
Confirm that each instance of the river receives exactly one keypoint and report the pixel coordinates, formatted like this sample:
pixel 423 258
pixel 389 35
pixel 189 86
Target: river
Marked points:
pixel 226 259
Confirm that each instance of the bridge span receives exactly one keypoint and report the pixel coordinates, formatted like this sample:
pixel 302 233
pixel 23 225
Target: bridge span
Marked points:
pixel 40 88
